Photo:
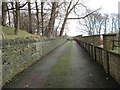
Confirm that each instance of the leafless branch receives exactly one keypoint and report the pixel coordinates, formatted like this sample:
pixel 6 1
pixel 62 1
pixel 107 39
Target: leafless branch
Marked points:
pixel 85 15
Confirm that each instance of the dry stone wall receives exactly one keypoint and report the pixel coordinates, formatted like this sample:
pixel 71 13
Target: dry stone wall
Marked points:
pixel 18 54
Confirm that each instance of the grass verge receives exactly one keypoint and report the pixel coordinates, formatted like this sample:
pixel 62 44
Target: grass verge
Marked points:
pixel 9 33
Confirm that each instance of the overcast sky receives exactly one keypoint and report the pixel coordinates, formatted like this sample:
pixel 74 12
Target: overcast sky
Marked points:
pixel 107 6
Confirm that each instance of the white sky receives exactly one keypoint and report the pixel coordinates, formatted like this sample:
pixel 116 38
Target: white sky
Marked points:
pixel 107 6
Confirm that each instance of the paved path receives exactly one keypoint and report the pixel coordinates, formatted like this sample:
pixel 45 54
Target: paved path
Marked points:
pixel 69 66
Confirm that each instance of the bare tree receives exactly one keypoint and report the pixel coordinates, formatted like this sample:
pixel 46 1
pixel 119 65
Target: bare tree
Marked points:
pixel 49 22
pixel 13 12
pixel 72 7
pixel 90 24
pixel 38 22
pixel 114 20
pixel 68 11
pixel 30 17
pixel 42 18
pixel 90 21
pixel 17 18
pixel 4 13
pixel 9 18
pixel 106 20
pixel 52 19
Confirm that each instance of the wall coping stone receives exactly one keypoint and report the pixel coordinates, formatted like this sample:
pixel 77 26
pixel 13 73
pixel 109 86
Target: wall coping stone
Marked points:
pixel 24 41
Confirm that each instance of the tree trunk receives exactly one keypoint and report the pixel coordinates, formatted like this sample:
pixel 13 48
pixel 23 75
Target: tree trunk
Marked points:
pixel 67 13
pixel 105 28
pixel 4 13
pixel 17 18
pixel 38 22
pixel 42 19
pixel 65 19
pixel 52 19
pixel 63 25
pixel 30 18
pixel 8 16
pixel 112 25
pixel 14 16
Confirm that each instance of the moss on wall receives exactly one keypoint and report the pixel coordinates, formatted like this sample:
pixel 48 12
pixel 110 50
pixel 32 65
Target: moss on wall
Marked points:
pixel 19 54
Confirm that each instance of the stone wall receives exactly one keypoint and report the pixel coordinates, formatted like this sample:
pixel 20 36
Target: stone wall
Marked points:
pixel 109 60
pixel 94 39
pixel 18 54
pixel 107 38
pixel 114 65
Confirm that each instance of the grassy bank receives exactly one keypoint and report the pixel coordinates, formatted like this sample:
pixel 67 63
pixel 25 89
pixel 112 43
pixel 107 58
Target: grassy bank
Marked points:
pixel 9 33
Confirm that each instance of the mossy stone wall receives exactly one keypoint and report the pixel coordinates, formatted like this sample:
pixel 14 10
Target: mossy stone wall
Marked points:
pixel 19 54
